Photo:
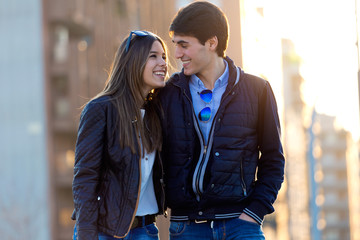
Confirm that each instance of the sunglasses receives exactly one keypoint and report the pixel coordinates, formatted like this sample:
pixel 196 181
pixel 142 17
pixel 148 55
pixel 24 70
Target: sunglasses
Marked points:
pixel 205 113
pixel 137 33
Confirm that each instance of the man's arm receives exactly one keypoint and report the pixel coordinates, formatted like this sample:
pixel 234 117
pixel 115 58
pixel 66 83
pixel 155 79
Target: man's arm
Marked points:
pixel 270 174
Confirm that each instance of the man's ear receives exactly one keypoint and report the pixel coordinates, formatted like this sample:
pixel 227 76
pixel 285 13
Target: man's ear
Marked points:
pixel 213 43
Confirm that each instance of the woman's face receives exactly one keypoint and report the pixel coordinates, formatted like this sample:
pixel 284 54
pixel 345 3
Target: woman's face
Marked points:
pixel 155 68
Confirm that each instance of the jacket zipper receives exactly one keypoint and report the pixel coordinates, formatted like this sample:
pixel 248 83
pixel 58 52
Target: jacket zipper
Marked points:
pixel 198 174
pixel 210 140
pixel 242 178
pixel 162 185
pixel 198 170
pixel 195 184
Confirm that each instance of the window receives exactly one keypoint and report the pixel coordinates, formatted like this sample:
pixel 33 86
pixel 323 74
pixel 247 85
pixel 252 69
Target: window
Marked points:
pixel 61 42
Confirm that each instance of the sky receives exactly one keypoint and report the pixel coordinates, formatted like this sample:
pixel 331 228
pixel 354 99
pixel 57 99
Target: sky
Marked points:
pixel 324 35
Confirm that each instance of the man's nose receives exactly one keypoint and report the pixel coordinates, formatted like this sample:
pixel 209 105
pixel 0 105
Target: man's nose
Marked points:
pixel 178 52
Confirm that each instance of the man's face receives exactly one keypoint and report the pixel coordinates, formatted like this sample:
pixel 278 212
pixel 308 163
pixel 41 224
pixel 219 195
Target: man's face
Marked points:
pixel 194 56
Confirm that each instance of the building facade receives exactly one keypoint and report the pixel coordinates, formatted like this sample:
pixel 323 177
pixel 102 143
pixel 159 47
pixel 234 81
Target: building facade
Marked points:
pixel 331 146
pixel 295 147
pixel 24 175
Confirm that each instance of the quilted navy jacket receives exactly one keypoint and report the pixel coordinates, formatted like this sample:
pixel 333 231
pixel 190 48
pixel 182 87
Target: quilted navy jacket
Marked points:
pixel 106 183
pixel 240 169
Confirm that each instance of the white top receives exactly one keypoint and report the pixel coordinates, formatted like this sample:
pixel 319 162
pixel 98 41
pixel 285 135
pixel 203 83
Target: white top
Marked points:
pixel 147 202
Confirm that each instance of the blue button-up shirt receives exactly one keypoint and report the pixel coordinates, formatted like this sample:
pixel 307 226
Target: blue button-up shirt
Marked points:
pixel 196 86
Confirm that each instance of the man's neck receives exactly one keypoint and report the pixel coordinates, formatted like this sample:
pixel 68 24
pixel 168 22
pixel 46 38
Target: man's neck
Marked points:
pixel 213 72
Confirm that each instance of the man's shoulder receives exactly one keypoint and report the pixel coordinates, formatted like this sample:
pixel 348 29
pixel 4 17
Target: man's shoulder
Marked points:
pixel 253 80
pixel 247 78
pixel 172 86
pixel 175 77
pixel 173 81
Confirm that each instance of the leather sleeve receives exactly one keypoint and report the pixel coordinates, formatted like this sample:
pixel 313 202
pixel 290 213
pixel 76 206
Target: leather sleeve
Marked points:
pixel 88 161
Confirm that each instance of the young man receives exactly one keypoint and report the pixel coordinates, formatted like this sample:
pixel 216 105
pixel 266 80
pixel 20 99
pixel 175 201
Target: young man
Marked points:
pixel 224 163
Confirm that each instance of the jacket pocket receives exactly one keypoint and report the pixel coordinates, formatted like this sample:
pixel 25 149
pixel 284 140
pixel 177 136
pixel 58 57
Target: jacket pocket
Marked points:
pixel 227 182
pixel 101 199
pixel 242 178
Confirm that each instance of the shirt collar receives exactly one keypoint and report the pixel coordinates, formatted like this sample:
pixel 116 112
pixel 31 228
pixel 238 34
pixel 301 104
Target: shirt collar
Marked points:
pixel 221 81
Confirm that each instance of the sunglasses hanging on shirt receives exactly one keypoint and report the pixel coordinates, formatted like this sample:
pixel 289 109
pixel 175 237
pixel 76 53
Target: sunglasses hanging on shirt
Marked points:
pixel 205 113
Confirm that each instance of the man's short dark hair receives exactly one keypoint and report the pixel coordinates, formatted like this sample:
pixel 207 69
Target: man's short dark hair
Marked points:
pixel 202 20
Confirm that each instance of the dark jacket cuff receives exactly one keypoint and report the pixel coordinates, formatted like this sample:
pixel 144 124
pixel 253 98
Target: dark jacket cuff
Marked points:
pixel 253 216
pixel 257 211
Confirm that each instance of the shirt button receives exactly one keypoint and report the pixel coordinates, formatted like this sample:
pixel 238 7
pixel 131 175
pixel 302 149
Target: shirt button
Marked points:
pixel 98 198
pixel 200 213
pixel 217 154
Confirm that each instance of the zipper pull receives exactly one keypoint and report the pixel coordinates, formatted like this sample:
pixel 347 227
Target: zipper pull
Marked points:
pixel 205 148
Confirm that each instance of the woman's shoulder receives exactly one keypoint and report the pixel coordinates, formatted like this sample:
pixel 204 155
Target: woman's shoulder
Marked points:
pixel 97 105
pixel 102 101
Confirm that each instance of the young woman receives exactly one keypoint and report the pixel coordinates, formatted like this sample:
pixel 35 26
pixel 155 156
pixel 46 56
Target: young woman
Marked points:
pixel 117 185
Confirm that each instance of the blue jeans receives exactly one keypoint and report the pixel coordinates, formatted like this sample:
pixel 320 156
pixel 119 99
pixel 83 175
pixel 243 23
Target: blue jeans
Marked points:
pixel 234 228
pixel 148 232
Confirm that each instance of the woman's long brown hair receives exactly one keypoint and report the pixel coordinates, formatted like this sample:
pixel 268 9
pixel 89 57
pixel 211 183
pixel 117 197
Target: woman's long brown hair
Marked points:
pixel 124 86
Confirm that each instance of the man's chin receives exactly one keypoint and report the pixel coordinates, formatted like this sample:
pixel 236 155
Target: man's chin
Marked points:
pixel 187 72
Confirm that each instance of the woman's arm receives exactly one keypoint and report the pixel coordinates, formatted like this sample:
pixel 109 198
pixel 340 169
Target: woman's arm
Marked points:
pixel 88 160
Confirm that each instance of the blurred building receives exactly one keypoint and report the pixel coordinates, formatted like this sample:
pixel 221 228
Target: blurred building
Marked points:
pixel 322 188
pixel 80 39
pixel 23 148
pixel 353 174
pixel 296 219
pixel 333 171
